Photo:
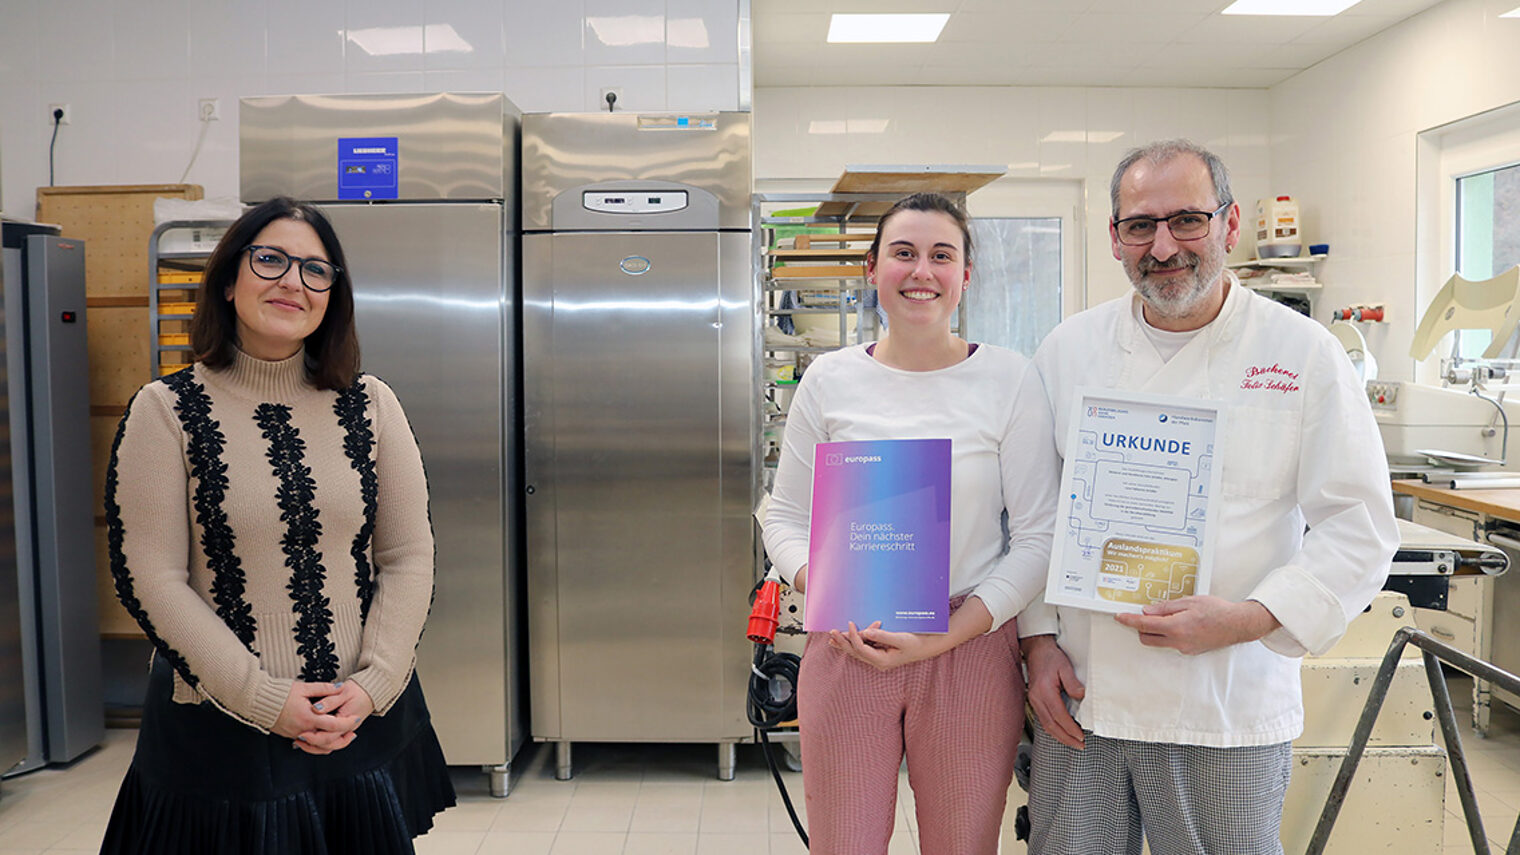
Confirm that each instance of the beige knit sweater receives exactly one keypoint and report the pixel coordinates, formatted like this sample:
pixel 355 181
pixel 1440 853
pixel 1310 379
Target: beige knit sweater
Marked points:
pixel 263 531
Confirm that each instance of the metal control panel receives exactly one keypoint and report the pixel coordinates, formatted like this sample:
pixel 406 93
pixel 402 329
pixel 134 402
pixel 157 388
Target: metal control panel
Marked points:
pixel 658 202
pixel 1383 394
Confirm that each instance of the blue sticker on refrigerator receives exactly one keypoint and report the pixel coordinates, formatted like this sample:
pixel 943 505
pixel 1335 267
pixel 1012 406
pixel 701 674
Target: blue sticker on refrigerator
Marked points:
pixel 367 168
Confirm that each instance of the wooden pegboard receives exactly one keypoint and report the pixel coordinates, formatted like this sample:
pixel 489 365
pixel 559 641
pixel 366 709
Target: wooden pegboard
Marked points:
pixel 114 620
pixel 102 434
pixel 115 222
pixel 118 344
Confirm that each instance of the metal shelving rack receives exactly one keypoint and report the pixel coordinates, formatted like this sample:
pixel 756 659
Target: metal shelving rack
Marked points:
pixel 178 274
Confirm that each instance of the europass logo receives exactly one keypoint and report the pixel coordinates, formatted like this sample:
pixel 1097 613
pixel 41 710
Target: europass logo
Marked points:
pixel 840 459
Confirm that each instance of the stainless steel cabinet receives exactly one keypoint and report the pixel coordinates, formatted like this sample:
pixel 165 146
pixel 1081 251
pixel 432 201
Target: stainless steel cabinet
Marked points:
pixel 48 398
pixel 639 377
pixel 13 745
pixel 431 313
pixel 435 294
pixel 640 475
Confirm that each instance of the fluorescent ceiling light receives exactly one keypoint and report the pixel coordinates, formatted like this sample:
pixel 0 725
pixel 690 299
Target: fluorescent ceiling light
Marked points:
pixel 886 28
pixel 1513 13
pixel 388 41
pixel 1025 164
pixel 625 30
pixel 1055 167
pixel 847 126
pixel 1318 8
pixel 1082 136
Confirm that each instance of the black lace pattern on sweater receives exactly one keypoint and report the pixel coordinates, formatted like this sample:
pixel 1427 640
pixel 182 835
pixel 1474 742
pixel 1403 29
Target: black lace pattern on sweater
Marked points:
pixel 120 574
pixel 296 496
pixel 205 442
pixel 359 445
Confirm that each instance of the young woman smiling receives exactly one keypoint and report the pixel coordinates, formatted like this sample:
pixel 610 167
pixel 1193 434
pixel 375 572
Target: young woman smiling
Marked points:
pixel 952 703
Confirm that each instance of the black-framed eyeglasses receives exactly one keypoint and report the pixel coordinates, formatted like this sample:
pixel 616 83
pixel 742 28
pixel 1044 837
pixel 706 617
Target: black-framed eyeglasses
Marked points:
pixel 1184 225
pixel 268 262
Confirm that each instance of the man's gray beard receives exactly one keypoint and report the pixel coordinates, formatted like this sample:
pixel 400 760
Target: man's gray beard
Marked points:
pixel 1180 302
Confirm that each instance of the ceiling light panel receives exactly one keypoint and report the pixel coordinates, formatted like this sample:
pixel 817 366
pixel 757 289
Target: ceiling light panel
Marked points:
pixel 848 126
pixel 1315 8
pixel 1081 136
pixel 915 28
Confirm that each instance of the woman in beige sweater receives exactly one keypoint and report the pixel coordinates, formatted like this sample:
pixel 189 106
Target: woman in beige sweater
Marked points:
pixel 268 527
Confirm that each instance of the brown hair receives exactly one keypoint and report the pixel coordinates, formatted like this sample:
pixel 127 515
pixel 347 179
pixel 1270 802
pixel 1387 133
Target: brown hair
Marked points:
pixel 332 350
pixel 925 202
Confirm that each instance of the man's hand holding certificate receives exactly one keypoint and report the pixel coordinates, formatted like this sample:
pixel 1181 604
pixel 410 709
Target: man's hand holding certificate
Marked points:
pixel 879 541
pixel 1135 520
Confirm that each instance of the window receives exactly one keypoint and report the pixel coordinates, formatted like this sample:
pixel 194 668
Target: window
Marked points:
pixel 1467 215
pixel 1015 293
pixel 1488 234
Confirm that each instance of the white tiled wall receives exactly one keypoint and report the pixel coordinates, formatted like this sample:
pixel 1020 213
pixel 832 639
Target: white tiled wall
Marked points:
pixel 132 72
pixel 1344 142
pixel 1052 133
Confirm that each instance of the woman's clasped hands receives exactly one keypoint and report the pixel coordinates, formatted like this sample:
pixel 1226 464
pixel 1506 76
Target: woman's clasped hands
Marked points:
pixel 321 718
pixel 880 648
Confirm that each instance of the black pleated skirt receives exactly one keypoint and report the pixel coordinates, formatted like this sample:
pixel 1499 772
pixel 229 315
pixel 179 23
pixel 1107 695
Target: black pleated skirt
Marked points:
pixel 201 782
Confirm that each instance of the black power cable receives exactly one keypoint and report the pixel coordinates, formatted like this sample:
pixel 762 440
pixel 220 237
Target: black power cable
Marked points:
pixel 767 709
pixel 57 120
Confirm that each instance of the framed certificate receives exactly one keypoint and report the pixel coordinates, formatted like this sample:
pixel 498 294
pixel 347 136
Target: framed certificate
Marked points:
pixel 879 539
pixel 1135 523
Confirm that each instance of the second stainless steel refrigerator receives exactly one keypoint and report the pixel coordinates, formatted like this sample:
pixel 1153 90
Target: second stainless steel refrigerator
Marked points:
pixel 639 384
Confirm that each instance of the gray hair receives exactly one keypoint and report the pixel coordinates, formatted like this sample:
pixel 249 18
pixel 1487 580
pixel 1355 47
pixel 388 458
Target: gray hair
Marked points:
pixel 1163 151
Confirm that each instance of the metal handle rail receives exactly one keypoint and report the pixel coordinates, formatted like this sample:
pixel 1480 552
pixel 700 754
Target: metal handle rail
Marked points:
pixel 1434 652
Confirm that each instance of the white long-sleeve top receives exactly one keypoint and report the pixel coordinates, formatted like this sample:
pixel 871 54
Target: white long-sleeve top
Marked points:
pixel 1301 449
pixel 992 408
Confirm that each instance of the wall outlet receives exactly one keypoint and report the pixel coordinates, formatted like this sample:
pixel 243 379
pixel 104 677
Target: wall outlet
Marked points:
pixel 67 113
pixel 209 109
pixel 617 94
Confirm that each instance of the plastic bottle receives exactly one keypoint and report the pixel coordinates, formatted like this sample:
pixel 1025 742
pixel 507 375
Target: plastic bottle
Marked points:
pixel 1277 228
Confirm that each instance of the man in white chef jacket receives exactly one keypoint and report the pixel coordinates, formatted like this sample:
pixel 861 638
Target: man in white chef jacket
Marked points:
pixel 1178 721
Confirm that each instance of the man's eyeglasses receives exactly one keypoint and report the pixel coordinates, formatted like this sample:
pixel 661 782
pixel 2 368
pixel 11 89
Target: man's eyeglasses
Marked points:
pixel 268 262
pixel 1184 225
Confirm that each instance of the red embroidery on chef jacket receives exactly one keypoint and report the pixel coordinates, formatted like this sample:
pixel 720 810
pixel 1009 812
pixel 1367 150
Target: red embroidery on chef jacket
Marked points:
pixel 1273 377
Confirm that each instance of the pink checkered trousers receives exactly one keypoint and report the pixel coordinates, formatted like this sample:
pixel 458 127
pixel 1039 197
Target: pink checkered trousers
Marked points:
pixel 957 717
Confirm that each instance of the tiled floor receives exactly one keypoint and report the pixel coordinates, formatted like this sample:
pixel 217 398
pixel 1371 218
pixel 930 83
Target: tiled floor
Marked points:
pixel 634 800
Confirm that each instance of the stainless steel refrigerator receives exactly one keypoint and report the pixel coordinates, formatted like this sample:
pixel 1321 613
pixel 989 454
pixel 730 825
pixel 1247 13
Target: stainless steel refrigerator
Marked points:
pixel 48 542
pixel 422 190
pixel 12 689
pixel 639 385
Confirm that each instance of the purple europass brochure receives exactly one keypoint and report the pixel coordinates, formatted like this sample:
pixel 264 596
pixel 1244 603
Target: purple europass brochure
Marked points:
pixel 879 543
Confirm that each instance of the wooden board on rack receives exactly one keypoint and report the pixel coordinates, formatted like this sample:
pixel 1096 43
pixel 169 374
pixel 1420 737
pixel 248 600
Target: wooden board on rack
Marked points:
pixel 114 221
pixel 819 271
pixel 102 434
pixel 902 181
pixel 114 620
pixel 806 241
pixel 117 339
pixel 844 253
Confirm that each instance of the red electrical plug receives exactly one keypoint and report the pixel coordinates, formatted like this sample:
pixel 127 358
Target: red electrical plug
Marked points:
pixel 766 613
